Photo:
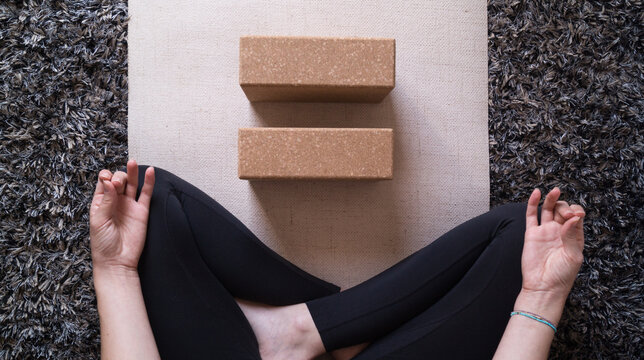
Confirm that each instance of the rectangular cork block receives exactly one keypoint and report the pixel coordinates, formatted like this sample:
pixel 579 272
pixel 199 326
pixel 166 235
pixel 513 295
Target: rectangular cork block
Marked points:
pixel 315 153
pixel 316 69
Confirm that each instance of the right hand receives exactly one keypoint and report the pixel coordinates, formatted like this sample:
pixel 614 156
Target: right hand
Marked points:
pixel 553 250
pixel 118 222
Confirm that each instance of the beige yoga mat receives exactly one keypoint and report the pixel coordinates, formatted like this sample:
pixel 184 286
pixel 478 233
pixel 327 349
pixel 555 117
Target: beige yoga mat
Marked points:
pixel 185 106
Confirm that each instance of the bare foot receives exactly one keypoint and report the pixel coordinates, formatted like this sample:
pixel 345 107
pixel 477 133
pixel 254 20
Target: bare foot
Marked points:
pixel 283 332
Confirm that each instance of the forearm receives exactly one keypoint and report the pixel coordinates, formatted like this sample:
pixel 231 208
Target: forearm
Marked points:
pixel 525 338
pixel 125 328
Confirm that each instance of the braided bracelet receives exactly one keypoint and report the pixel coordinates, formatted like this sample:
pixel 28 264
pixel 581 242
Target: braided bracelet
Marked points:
pixel 534 316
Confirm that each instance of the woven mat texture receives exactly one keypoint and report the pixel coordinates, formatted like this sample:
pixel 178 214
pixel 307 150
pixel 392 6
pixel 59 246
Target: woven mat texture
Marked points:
pixel 565 108
pixel 184 114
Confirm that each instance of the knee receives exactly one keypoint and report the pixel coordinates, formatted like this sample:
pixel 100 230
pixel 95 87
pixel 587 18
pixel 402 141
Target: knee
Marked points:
pixel 511 210
pixel 511 216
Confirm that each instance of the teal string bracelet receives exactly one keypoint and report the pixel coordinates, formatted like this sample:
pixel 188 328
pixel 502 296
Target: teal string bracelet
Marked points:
pixel 534 317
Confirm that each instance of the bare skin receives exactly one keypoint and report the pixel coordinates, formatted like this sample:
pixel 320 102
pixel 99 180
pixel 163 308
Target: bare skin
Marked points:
pixel 288 332
pixel 284 332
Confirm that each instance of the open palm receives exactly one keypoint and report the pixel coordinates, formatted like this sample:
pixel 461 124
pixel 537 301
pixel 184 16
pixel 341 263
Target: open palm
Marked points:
pixel 118 222
pixel 553 250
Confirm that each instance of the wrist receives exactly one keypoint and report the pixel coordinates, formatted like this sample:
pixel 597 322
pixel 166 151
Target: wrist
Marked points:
pixel 109 275
pixel 546 304
pixel 104 265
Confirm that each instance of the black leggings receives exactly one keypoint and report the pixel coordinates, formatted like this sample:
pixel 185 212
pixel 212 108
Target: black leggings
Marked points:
pixel 449 300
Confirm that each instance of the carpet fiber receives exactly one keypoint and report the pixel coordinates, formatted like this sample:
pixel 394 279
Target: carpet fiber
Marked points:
pixel 565 108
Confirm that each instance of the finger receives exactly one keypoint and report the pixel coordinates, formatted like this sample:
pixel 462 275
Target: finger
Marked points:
pixel 108 203
pixel 572 235
pixel 578 210
pixel 98 196
pixel 132 179
pixel 148 186
pixel 120 181
pixel 105 175
pixel 531 212
pixel 563 212
pixel 99 190
pixel 547 210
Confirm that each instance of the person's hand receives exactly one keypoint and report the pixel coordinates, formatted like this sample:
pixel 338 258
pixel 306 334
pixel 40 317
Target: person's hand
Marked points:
pixel 552 256
pixel 552 250
pixel 118 222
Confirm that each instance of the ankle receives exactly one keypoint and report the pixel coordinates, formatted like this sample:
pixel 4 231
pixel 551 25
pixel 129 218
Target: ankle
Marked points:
pixel 308 334
pixel 283 331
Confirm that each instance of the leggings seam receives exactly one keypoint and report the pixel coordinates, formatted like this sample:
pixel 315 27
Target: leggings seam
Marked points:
pixel 398 299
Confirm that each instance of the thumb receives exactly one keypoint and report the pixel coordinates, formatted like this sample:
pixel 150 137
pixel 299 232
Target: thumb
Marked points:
pixel 108 203
pixel 572 235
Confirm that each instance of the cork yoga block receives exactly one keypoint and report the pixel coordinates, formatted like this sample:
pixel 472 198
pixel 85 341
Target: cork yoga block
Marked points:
pixel 315 153
pixel 316 69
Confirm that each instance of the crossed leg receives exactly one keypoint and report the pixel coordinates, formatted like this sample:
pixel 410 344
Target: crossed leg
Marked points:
pixel 198 259
pixel 449 300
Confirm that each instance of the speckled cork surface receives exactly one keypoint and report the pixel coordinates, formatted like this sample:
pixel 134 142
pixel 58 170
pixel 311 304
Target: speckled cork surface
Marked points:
pixel 287 68
pixel 315 153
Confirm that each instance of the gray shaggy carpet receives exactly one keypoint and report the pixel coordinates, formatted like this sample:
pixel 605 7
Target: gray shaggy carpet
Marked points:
pixel 565 108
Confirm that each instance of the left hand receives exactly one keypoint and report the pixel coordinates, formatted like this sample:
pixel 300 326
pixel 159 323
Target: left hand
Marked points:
pixel 118 222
